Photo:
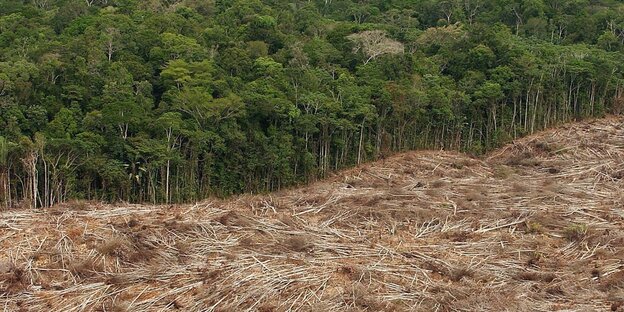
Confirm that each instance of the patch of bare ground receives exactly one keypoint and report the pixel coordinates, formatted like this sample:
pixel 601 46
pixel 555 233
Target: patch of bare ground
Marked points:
pixel 534 226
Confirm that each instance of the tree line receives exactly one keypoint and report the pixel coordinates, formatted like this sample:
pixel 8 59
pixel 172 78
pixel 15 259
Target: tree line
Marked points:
pixel 170 101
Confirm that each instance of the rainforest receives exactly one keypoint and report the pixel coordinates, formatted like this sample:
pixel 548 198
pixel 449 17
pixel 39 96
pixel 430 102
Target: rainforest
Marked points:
pixel 171 101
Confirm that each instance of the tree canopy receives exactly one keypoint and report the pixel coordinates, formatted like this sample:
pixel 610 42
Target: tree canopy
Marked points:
pixel 177 100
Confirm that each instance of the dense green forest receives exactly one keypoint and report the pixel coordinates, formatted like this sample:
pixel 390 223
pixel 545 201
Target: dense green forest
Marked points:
pixel 176 100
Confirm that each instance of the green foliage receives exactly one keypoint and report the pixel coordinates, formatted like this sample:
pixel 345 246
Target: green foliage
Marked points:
pixel 172 101
pixel 575 232
pixel 4 151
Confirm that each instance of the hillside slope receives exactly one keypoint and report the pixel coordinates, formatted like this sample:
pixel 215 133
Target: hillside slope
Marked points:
pixel 535 226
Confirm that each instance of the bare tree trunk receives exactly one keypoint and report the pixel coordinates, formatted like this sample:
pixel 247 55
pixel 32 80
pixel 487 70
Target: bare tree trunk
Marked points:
pixel 535 110
pixel 3 182
pixel 46 184
pixel 513 117
pixel 8 180
pixel 592 97
pixel 167 200
pixel 34 179
pixel 359 156
pixel 526 109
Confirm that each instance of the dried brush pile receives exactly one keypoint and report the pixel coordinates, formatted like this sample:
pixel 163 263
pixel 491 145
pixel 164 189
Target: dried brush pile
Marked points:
pixel 536 226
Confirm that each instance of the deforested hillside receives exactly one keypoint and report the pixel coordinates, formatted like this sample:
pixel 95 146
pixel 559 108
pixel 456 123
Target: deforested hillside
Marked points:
pixel 537 225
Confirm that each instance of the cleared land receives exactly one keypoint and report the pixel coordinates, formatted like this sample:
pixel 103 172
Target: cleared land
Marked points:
pixel 535 226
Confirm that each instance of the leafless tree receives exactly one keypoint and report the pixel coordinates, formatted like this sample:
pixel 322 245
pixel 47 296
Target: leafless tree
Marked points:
pixel 374 43
pixel 111 36
pixel 42 4
pixel 472 9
